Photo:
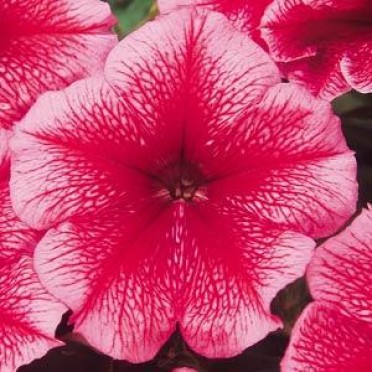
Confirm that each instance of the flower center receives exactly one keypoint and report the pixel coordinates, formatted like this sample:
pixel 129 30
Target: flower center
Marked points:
pixel 184 189
pixel 181 182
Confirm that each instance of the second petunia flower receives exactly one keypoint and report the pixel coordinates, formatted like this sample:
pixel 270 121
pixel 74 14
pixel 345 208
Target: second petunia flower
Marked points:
pixel 184 186
pixel 47 45
pixel 325 45
pixel 334 333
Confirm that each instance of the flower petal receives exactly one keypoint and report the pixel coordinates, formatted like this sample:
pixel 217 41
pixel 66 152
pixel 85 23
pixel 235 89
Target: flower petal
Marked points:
pixel 284 28
pixel 287 157
pixel 245 15
pixel 340 271
pixel 303 28
pixel 315 38
pixel 133 280
pixel 68 174
pixel 323 340
pixel 227 301
pixel 320 74
pixel 28 314
pixel 155 66
pixel 113 273
pixel 47 46
pixel 356 66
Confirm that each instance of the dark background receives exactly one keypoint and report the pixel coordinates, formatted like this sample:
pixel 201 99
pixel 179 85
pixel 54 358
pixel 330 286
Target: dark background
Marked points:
pixel 355 111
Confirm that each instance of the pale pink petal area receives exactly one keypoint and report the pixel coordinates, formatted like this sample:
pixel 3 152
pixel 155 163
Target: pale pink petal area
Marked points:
pixel 15 236
pixel 140 177
pixel 289 165
pixel 46 45
pixel 156 67
pixel 327 44
pixel 244 14
pixel 356 66
pixel 28 314
pixel 184 369
pixel 340 272
pixel 323 340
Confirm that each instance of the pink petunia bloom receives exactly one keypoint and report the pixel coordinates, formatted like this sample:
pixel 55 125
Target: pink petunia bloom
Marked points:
pixel 28 314
pixel 334 334
pixel 46 45
pixel 326 44
pixel 179 188
pixel 245 14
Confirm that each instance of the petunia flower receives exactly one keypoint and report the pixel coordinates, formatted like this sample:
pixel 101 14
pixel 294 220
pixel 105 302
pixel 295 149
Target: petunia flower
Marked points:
pixel 335 332
pixel 179 188
pixel 28 314
pixel 46 45
pixel 245 14
pixel 326 44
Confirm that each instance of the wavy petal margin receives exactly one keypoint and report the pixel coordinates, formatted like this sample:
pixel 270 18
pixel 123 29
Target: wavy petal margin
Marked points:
pixel 244 14
pixel 356 66
pixel 335 332
pixel 295 158
pixel 340 271
pixel 28 314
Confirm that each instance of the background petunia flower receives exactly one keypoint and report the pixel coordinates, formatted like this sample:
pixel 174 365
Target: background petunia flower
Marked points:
pixel 28 314
pixel 326 44
pixel 335 332
pixel 178 189
pixel 46 45
pixel 245 14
